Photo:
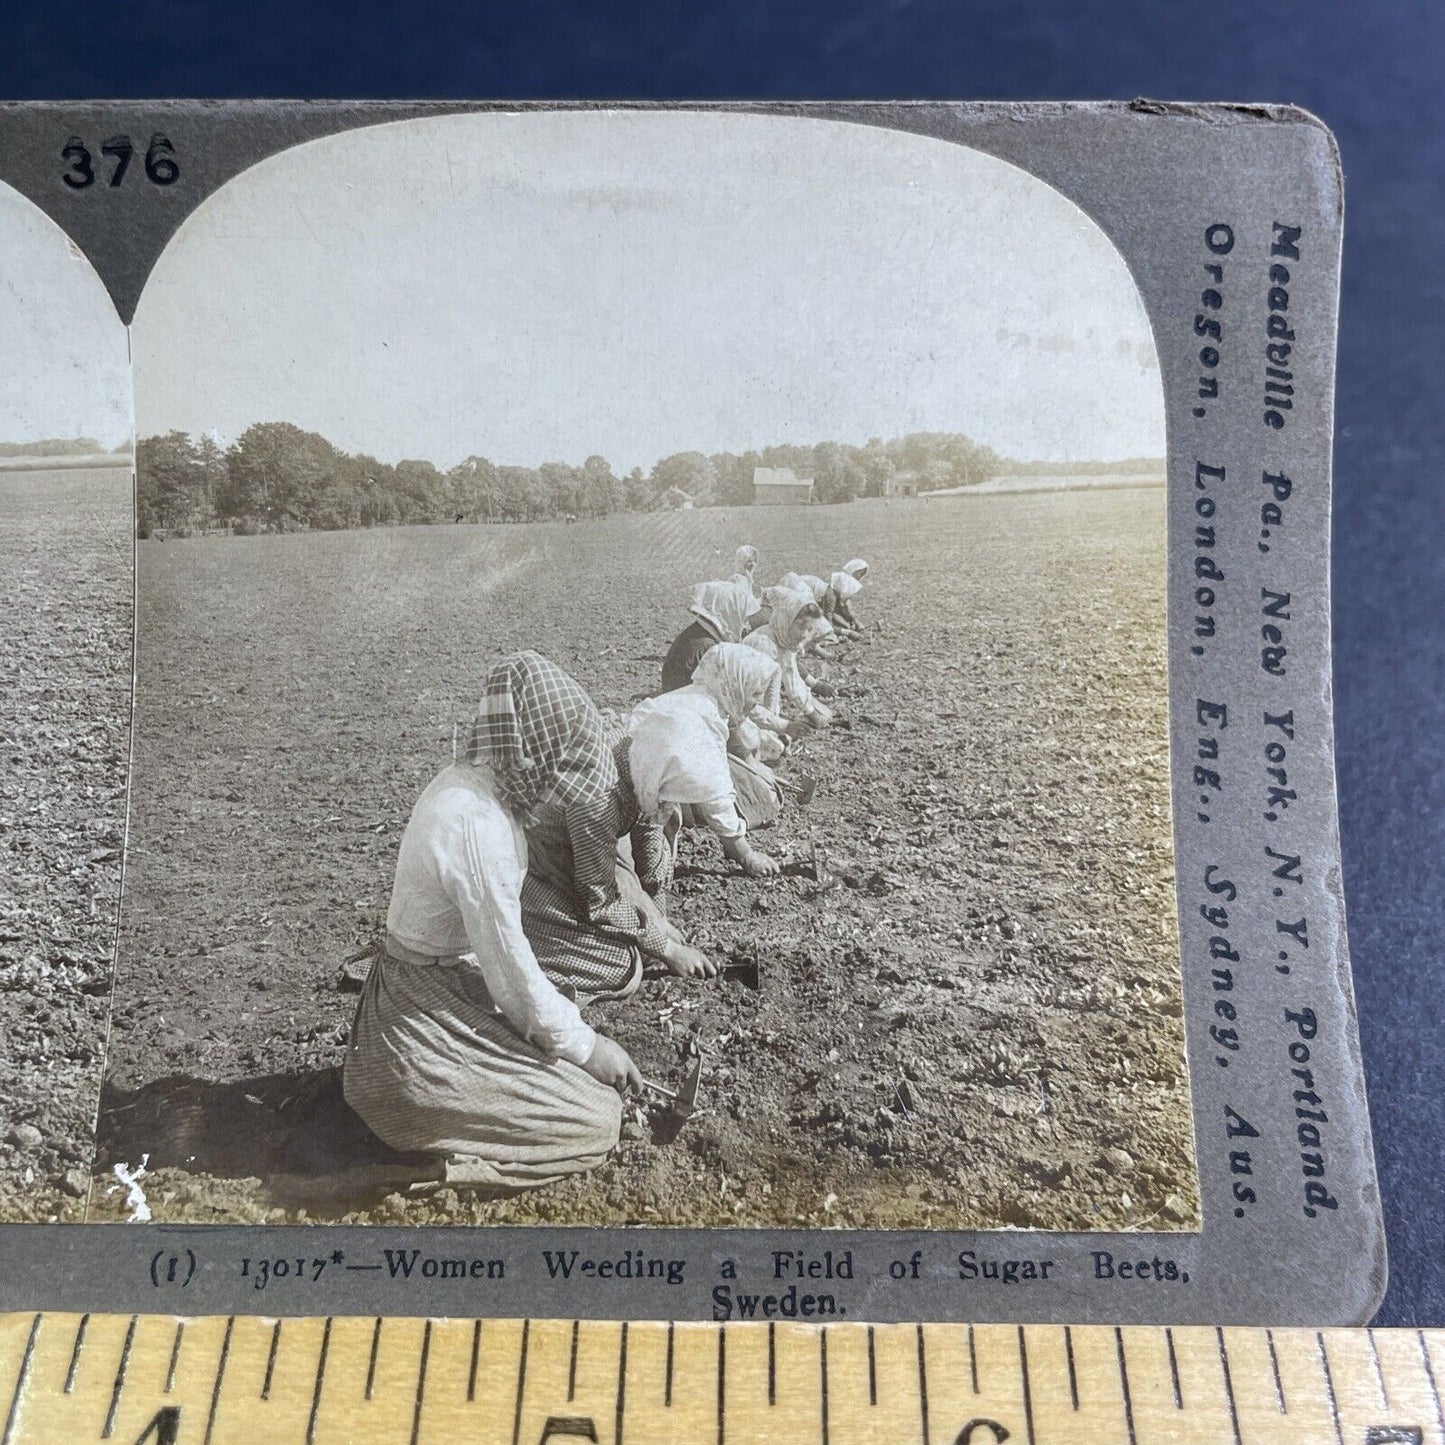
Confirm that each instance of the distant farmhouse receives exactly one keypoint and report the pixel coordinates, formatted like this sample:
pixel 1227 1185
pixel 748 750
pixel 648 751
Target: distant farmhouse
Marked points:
pixel 904 484
pixel 674 499
pixel 780 487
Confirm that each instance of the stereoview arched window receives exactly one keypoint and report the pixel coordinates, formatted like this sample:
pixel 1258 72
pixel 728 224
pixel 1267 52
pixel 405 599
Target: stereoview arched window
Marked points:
pixel 651 694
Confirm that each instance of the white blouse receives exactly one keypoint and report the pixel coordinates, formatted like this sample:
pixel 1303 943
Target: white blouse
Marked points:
pixel 679 758
pixel 790 686
pixel 458 892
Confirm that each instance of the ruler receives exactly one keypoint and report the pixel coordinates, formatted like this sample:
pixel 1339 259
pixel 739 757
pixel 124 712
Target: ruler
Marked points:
pixel 164 1380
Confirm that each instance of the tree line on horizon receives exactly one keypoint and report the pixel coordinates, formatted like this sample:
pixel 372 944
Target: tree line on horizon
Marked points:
pixel 277 477
pixel 62 447
pixel 1123 467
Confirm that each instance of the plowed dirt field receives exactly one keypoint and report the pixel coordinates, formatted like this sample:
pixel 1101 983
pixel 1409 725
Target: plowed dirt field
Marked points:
pixel 65 661
pixel 971 1020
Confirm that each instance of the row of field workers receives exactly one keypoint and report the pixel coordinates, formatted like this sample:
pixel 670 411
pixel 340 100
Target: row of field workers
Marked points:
pixel 533 874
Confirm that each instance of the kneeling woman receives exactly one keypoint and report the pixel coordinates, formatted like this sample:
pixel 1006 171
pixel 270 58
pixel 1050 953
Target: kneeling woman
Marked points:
pixel 745 568
pixel 462 1045
pixel 843 587
pixel 720 613
pixel 589 903
pixel 680 762
pixel 797 622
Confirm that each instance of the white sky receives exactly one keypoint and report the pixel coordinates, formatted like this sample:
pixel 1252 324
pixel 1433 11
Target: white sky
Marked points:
pixel 64 371
pixel 542 287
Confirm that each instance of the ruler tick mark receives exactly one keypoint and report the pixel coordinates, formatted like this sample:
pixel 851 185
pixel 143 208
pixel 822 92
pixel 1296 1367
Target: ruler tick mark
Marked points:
pixel 1068 1355
pixel 1274 1365
pixel 1028 1387
pixel 1330 1386
pixel 476 1353
pixel 972 1362
pixel 823 1376
pixel 75 1353
pixel 320 1380
pixel 872 1371
pixel 772 1364
pixel 175 1356
pixel 271 1360
pixel 922 1386
pixel 1379 1371
pixel 722 1375
pixel 371 1363
pixel 521 1383
pixel 220 1375
pixel 1228 1384
pixel 1124 1385
pixel 1174 1368
pixel 119 1385
pixel 21 1379
pixel 420 1383
pixel 572 1363
pixel 667 1388
pixel 1430 1376
pixel 621 1385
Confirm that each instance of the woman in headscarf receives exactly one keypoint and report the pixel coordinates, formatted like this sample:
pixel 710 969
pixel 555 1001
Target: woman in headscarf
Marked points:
pixel 589 903
pixel 842 588
pixel 463 1047
pixel 815 587
pixel 722 610
pixel 797 621
pixel 720 613
pixel 679 758
pixel 846 583
pixel 810 665
pixel 745 568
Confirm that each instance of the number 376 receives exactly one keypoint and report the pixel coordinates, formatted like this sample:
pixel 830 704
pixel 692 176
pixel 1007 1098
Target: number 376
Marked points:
pixel 161 168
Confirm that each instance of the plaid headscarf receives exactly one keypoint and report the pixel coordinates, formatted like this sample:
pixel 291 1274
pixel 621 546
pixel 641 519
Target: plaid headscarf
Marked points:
pixel 541 735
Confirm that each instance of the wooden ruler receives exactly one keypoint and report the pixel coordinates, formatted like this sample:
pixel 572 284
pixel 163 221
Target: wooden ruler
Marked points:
pixel 172 1381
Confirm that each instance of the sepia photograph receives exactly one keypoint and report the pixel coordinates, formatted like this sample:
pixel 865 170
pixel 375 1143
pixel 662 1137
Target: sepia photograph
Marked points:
pixel 65 615
pixel 650 695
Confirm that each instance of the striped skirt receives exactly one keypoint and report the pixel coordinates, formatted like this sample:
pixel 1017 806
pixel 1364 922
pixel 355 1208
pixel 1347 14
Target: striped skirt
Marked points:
pixel 585 962
pixel 433 1067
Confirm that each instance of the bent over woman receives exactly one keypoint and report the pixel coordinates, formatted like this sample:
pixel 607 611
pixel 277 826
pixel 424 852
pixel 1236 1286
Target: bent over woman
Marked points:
pixel 796 622
pixel 463 1045
pixel 680 758
pixel 720 613
pixel 594 873
pixel 745 568
pixel 843 587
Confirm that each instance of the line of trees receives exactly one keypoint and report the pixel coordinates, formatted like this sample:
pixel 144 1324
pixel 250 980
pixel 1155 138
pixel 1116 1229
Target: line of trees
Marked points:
pixel 62 447
pixel 1124 467
pixel 275 477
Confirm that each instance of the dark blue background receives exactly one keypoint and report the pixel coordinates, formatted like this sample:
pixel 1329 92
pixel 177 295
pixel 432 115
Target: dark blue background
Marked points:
pixel 1374 71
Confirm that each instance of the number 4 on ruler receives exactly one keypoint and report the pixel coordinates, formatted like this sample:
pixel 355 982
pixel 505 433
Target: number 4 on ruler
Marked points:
pixel 163 1428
